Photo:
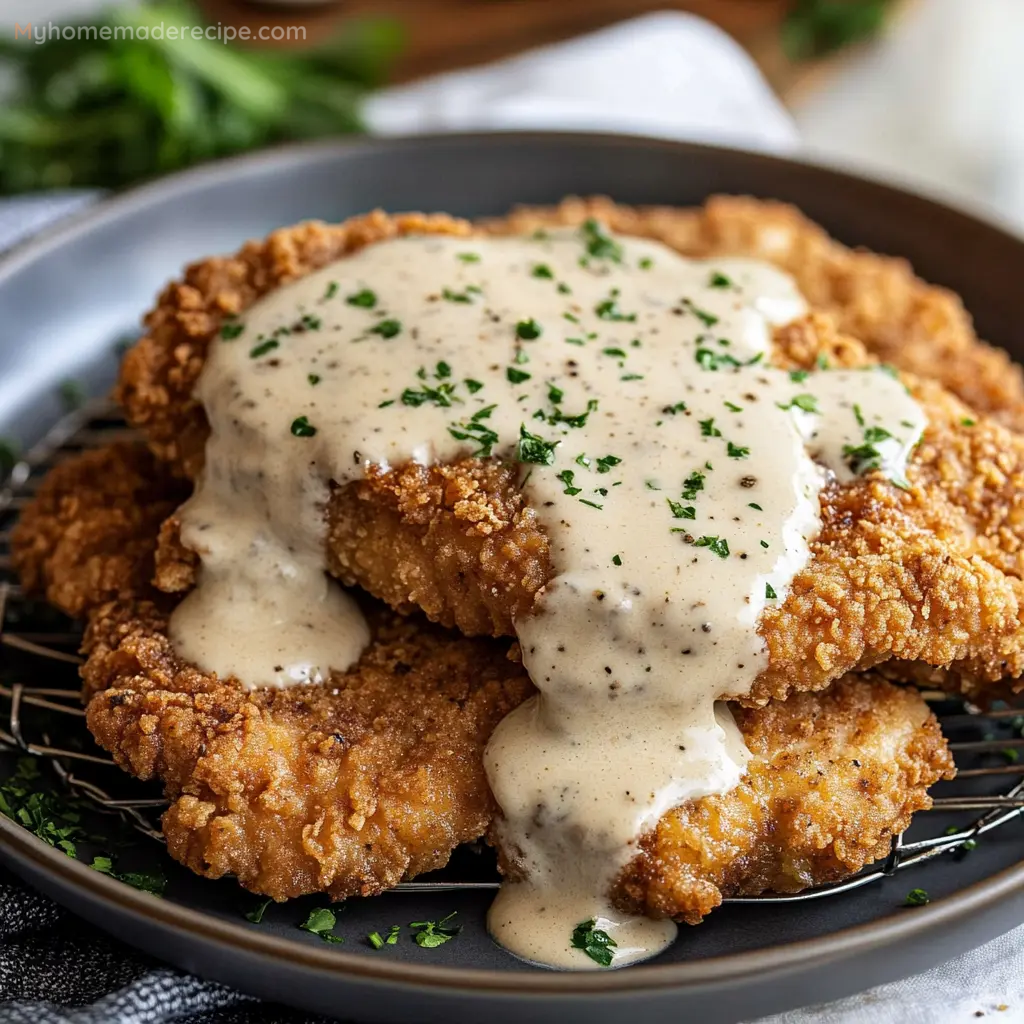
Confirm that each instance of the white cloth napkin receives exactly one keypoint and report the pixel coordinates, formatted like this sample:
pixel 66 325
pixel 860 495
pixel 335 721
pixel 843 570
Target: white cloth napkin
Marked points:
pixel 675 76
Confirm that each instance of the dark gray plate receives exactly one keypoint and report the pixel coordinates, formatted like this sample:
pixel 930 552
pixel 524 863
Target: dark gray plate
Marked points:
pixel 65 298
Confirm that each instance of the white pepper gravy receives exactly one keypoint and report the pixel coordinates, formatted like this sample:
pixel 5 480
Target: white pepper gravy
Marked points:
pixel 675 473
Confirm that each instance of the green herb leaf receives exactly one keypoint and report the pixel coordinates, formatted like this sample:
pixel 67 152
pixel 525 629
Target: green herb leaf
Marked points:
pixel 566 477
pixel 680 511
pixel 529 330
pixel 769 592
pixel 301 427
pixel 597 944
pixel 719 280
pixel 517 376
pixel 598 242
pixel 256 914
pixel 321 922
pixel 542 270
pixel 231 331
pixel 735 451
pixel 917 898
pixel 718 545
pixel 431 934
pixel 533 448
pixel 263 348
pixel 387 328
pixel 363 299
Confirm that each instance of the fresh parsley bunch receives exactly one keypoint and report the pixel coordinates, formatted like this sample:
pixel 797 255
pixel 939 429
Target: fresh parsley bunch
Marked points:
pixel 105 113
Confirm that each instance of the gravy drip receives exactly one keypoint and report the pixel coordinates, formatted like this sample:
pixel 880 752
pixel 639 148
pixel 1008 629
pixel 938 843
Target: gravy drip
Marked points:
pixel 670 467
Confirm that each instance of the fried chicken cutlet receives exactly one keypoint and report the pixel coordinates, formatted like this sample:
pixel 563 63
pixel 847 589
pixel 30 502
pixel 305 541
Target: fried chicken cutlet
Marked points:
pixel 928 575
pixel 349 787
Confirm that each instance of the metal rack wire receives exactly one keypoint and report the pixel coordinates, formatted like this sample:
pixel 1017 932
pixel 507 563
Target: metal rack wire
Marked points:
pixel 38 655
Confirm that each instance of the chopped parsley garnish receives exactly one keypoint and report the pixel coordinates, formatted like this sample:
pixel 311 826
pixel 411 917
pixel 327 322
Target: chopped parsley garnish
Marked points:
pixel 542 270
pixel 769 592
pixel 301 427
pixel 592 504
pixel 858 415
pixel 917 898
pixel 375 939
pixel 707 319
pixel 965 421
pixel 529 330
pixel 616 560
pixel 872 435
pixel 718 545
pixel 806 403
pixel 464 297
pixel 532 448
pixel 387 328
pixel 385 403
pixel 632 376
pixel 798 376
pixel 645 263
pixel 692 484
pixel 308 322
pixel 618 353
pixel 520 357
pixel 313 378
pixel 256 914
pixel 468 257
pixel 555 394
pixel 708 359
pixel 43 813
pixel 331 290
pixel 577 420
pixel 364 299
pixel 608 309
pixel 671 410
pixel 719 280
pixel 597 944
pixel 566 477
pixel 736 451
pixel 732 407
pixel 472 386
pixel 231 331
pixel 680 511
pixel 517 376
pixel 263 348
pixel 321 922
pixel 152 882
pixel 598 242
pixel 432 934
pixel 754 505
pixel 708 428
pixel 477 431
pixel 606 462
pixel 441 396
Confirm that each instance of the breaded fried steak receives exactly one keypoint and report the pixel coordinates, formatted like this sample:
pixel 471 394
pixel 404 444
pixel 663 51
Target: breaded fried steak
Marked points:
pixel 929 574
pixel 351 786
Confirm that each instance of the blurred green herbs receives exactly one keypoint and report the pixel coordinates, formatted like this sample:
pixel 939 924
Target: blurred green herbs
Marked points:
pixel 93 112
pixel 814 28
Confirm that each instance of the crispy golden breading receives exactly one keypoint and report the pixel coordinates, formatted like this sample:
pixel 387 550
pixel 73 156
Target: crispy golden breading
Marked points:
pixel 930 575
pixel 833 777
pixel 345 788
pixel 88 535
pixel 349 788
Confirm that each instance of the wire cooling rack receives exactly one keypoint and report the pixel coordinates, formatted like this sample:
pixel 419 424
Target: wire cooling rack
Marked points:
pixel 42 716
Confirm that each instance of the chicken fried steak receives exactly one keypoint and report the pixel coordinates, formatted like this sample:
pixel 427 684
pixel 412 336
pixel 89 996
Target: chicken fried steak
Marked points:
pixel 352 787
